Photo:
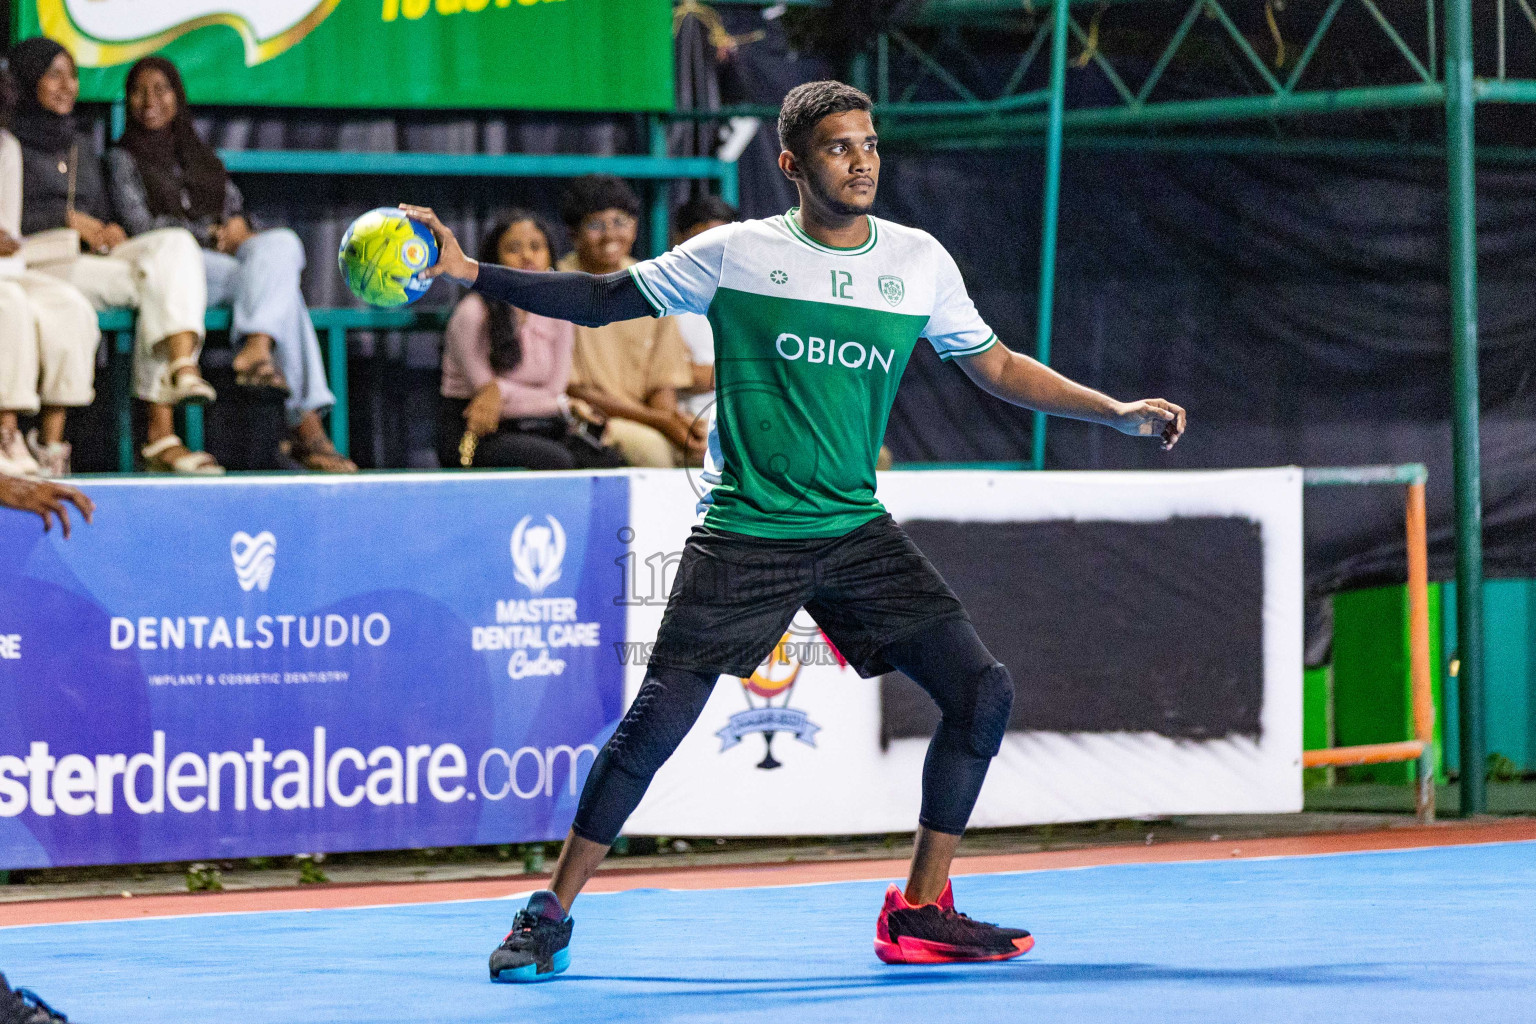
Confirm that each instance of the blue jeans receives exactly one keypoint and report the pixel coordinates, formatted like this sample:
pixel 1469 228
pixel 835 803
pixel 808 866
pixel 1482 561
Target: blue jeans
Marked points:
pixel 261 283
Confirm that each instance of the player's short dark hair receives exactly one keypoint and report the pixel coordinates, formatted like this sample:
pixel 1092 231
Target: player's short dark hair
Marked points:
pixel 703 209
pixel 592 193
pixel 805 105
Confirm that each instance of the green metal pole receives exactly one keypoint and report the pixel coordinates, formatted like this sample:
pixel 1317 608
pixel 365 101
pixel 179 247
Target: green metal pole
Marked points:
pixel 730 184
pixel 660 191
pixel 122 388
pixel 1057 113
pixel 336 344
pixel 1192 112
pixel 1461 184
pixel 192 423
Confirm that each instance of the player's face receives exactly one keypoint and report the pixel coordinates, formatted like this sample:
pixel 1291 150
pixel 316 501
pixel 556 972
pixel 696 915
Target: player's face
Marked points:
pixel 523 247
pixel 841 163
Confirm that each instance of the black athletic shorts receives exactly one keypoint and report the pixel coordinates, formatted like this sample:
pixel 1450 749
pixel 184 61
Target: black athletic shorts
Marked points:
pixel 734 596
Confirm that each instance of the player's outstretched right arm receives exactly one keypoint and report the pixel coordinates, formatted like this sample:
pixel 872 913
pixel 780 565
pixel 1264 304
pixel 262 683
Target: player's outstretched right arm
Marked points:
pixel 591 300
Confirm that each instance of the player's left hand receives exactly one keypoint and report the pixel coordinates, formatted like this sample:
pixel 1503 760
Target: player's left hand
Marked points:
pixel 1152 417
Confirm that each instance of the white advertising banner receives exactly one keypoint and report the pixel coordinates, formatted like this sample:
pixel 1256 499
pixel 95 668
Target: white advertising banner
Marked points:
pixel 800 752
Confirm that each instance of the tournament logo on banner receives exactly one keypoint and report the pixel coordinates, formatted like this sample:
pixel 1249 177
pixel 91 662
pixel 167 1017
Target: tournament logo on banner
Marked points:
pixel 774 680
pixel 246 668
pixel 99 33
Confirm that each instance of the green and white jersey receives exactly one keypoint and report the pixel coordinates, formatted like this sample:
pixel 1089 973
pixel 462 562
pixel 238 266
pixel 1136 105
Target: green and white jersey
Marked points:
pixel 810 344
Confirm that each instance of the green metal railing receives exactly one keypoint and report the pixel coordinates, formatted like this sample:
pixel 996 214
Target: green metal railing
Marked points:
pixel 482 165
pixel 118 325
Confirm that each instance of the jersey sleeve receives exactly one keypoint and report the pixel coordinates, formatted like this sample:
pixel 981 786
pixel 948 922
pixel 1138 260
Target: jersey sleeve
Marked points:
pixel 954 327
pixel 684 279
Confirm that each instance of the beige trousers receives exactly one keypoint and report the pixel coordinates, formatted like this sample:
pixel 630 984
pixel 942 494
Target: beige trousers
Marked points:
pixel 642 445
pixel 160 274
pixel 48 340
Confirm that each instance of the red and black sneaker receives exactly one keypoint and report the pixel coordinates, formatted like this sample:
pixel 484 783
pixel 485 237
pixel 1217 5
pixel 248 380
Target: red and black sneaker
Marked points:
pixel 936 933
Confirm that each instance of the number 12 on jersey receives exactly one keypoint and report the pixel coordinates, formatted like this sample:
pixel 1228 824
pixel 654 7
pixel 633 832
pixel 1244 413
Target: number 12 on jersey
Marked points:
pixel 841 279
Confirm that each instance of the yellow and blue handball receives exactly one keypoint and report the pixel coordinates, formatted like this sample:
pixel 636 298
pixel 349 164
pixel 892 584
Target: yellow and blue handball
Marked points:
pixel 382 255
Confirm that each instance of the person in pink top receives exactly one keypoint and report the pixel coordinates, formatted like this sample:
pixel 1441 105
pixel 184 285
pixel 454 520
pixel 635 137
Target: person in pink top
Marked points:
pixel 505 372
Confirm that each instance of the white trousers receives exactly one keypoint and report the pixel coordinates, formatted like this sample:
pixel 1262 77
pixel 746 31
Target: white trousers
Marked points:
pixel 160 274
pixel 48 340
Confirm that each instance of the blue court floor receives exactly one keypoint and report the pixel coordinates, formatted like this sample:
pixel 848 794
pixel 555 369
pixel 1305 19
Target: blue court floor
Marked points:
pixel 1444 935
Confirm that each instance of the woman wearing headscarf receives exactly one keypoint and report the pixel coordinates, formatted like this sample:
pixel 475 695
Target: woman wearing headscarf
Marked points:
pixel 162 174
pixel 158 273
pixel 48 334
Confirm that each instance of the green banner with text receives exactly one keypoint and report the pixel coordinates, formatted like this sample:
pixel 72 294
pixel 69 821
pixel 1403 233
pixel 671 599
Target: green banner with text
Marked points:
pixel 519 54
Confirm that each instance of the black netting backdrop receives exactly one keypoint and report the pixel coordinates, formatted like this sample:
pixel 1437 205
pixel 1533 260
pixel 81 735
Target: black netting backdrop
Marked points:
pixel 1298 308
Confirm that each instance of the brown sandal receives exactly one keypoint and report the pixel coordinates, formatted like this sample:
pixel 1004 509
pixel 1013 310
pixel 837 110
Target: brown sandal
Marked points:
pixel 263 376
pixel 320 456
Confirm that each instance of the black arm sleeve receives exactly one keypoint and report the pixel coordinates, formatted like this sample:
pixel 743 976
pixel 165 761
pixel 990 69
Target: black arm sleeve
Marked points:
pixel 590 300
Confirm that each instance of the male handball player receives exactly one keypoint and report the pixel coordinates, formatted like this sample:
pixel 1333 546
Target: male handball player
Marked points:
pixel 815 313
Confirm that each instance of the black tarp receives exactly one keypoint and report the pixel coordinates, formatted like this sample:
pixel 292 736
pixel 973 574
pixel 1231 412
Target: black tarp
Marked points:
pixel 1299 308
pixel 1106 626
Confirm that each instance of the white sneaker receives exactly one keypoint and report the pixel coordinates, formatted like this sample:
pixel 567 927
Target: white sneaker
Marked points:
pixel 15 460
pixel 52 458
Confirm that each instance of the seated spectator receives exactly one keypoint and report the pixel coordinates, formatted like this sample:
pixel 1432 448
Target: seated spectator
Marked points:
pixel 505 372
pixel 48 335
pixel 158 273
pixel 631 370
pixel 162 174
pixel 695 217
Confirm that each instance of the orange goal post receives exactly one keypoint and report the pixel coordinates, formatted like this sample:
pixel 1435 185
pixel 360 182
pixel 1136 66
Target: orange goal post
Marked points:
pixel 1421 747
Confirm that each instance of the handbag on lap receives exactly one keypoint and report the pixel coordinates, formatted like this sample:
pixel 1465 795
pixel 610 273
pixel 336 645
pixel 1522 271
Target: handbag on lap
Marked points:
pixel 44 250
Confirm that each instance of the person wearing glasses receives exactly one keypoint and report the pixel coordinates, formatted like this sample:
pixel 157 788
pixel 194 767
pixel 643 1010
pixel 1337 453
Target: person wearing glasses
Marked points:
pixel 631 370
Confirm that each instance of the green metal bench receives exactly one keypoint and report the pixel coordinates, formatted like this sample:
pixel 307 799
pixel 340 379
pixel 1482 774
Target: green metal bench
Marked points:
pixel 333 324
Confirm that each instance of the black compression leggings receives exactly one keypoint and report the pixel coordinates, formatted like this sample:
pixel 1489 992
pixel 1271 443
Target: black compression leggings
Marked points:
pixel 947 659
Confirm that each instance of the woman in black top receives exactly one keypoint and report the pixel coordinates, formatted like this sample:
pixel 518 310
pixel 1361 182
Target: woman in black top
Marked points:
pixel 159 273
pixel 162 174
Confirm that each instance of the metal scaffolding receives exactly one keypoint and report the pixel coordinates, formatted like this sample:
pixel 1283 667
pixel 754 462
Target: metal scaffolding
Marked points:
pixel 1433 77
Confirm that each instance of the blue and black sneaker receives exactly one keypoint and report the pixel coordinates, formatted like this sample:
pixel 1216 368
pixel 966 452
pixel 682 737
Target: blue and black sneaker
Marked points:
pixel 23 1006
pixel 535 948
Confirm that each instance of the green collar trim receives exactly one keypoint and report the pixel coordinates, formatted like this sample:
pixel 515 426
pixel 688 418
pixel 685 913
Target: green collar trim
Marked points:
pixel 831 250
pixel 974 350
pixel 645 292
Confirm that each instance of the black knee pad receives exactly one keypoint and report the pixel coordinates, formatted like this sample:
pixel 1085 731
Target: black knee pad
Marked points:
pixel 994 702
pixel 646 736
pixel 663 711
